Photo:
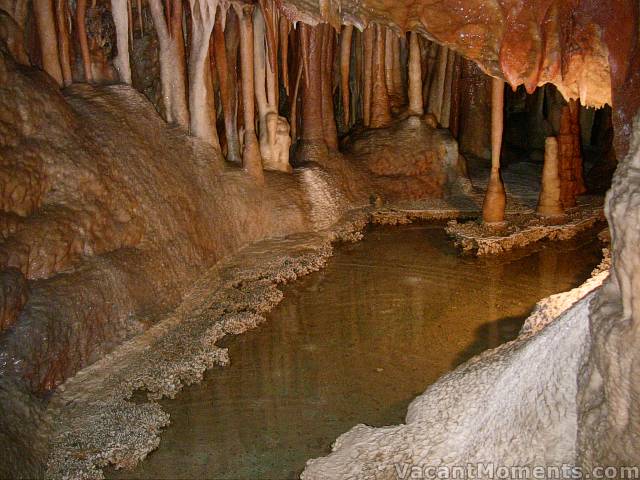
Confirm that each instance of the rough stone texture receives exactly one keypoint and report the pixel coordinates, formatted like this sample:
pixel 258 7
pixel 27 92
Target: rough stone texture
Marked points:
pixel 520 230
pixel 422 161
pixel 96 424
pixel 608 394
pixel 110 213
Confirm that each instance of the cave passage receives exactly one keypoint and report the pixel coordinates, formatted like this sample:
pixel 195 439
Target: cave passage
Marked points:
pixel 354 343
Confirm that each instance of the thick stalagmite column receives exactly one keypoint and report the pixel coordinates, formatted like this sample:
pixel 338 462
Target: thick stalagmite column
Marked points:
pixel 43 11
pixel 415 76
pixel 120 14
pixel 251 159
pixel 228 91
pixel 63 41
pixel 369 38
pixel 570 156
pixel 380 108
pixel 345 61
pixel 495 198
pixel 328 116
pixel 549 204
pixel 172 60
pixel 203 13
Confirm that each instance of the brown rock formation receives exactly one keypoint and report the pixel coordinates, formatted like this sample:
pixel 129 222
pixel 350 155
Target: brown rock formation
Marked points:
pixel 549 202
pixel 570 156
pixel 495 199
pixel 415 76
pixel 251 158
pixel 380 106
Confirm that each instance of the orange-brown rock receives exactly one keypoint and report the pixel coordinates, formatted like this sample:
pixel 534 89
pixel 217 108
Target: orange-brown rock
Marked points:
pixel 570 155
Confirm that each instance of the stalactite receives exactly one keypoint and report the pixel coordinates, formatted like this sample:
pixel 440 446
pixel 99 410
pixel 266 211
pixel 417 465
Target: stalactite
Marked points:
pixel 120 15
pixel 436 90
pixel 177 6
pixel 43 11
pixel 202 122
pixel 345 61
pixel 284 27
pixel 415 76
pixel 358 77
pixel 388 59
pixel 454 121
pixel 495 198
pixel 294 103
pixel 430 74
pixel 270 18
pixel 446 94
pixel 397 86
pixel 328 115
pixel 369 35
pixel 312 127
pixel 81 12
pixel 380 108
pixel 251 159
pixel 228 94
pixel 305 40
pixel 63 42
pixel 274 129
pixel 130 17
pixel 172 61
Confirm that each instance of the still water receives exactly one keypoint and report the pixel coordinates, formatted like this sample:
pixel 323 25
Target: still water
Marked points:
pixel 354 343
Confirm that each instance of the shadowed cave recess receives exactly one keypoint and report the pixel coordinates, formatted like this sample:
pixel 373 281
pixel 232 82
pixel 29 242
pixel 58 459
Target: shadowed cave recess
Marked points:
pixel 166 166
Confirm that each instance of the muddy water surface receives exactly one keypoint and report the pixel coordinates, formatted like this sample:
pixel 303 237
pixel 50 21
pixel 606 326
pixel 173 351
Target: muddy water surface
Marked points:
pixel 354 343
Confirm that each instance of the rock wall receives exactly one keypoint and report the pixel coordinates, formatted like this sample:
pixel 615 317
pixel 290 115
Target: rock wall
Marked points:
pixel 109 214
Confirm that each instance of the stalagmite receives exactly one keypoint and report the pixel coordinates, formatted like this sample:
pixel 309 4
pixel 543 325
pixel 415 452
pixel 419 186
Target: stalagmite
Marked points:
pixel 43 11
pixel 228 92
pixel 415 76
pixel 495 198
pixel 328 116
pixel 120 15
pixel 369 35
pixel 274 129
pixel 549 204
pixel 380 109
pixel 345 60
pixel 251 159
pixel 172 66
pixel 202 122
pixel 81 11
pixel 63 42
pixel 436 90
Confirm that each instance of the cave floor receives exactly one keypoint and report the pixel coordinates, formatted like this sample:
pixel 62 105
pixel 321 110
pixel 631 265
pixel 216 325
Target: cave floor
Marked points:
pixel 354 343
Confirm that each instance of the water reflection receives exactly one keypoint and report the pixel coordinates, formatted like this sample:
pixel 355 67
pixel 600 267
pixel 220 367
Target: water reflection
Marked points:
pixel 352 344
